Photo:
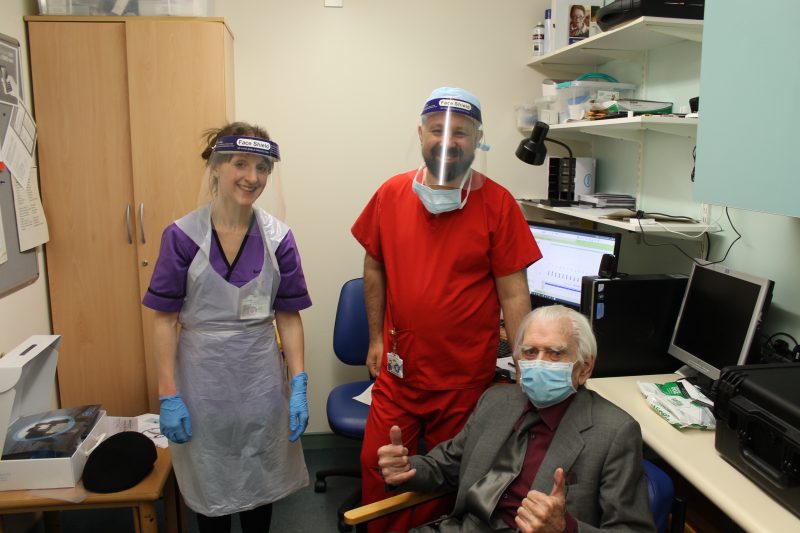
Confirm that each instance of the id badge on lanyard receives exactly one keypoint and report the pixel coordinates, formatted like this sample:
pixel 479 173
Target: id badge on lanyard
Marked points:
pixel 256 304
pixel 394 363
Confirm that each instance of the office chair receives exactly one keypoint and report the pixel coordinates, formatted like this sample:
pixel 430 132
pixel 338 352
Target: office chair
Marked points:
pixel 660 492
pixel 346 416
pixel 663 502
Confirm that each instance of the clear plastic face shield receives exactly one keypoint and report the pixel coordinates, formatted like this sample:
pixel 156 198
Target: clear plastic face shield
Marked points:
pixel 240 171
pixel 450 137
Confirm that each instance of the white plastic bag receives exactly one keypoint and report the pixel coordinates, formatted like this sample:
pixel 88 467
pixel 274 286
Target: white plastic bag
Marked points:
pixel 668 400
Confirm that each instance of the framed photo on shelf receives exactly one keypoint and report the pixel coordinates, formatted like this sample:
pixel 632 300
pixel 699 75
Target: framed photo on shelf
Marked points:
pixel 574 20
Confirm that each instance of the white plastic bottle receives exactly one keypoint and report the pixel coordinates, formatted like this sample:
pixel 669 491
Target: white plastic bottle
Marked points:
pixel 538 39
pixel 548 31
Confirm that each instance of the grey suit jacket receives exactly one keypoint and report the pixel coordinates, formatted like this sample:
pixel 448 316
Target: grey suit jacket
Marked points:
pixel 596 443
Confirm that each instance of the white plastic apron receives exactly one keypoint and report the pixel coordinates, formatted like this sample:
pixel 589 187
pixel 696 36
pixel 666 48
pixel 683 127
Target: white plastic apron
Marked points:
pixel 230 374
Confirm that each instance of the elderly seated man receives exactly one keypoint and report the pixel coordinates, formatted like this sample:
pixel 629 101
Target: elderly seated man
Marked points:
pixel 547 455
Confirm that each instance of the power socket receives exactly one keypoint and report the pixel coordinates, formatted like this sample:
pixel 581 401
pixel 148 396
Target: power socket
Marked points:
pixel 705 213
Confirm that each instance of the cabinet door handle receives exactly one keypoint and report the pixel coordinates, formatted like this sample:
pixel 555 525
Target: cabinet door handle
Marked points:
pixel 128 223
pixel 141 220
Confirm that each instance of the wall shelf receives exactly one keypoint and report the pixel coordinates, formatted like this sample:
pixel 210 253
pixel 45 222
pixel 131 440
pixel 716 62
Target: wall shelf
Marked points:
pixel 629 129
pixel 596 215
pixel 628 41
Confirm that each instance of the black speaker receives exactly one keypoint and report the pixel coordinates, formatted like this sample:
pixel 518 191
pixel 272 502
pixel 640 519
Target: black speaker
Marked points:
pixel 633 318
pixel 608 266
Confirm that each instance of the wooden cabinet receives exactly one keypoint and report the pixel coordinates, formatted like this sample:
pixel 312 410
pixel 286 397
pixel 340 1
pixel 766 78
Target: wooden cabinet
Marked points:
pixel 121 104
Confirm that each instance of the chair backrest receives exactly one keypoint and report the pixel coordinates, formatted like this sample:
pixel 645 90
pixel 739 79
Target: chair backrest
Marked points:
pixel 661 493
pixel 350 330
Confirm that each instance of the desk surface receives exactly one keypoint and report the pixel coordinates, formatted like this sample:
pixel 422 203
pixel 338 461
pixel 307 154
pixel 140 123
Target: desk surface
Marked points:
pixel 692 453
pixel 149 489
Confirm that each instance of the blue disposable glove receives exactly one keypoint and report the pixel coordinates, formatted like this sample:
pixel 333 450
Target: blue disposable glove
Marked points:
pixel 298 406
pixel 174 419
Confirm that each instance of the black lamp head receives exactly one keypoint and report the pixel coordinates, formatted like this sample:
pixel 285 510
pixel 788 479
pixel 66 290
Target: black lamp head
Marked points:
pixel 533 150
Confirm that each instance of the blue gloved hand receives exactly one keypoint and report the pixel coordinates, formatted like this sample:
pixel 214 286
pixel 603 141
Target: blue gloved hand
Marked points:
pixel 174 419
pixel 298 406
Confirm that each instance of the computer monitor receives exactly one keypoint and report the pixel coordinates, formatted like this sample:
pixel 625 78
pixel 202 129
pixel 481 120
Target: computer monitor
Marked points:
pixel 719 318
pixel 568 254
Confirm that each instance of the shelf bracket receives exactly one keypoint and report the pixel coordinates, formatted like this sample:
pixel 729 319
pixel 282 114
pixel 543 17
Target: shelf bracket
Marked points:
pixel 606 53
pixel 695 35
pixel 620 134
pixel 603 56
pixel 671 129
pixel 561 67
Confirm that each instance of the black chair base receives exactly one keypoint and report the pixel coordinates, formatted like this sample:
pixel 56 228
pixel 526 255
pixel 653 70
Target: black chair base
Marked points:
pixel 352 501
pixel 320 484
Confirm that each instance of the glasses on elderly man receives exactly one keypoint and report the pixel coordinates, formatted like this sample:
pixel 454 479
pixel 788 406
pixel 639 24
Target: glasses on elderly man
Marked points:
pixel 550 353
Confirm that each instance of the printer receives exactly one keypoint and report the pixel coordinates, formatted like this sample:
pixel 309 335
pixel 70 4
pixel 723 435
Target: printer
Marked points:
pixel 620 11
pixel 758 426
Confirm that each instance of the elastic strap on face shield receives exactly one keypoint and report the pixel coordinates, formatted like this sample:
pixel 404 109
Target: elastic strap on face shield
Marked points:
pixel 250 145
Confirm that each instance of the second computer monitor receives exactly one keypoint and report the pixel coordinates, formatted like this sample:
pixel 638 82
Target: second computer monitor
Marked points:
pixel 719 318
pixel 568 254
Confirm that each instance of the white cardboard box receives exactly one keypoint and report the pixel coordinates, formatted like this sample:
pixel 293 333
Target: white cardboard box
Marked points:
pixel 27 375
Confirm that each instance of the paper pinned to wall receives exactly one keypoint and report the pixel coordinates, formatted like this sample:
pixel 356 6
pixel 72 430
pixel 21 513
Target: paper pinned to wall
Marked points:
pixel 19 144
pixel 32 227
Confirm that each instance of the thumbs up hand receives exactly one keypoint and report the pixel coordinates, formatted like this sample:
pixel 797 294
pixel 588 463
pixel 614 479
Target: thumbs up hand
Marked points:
pixel 544 513
pixel 393 459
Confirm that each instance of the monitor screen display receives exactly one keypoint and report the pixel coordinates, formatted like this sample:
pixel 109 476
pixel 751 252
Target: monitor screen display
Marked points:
pixel 568 254
pixel 719 317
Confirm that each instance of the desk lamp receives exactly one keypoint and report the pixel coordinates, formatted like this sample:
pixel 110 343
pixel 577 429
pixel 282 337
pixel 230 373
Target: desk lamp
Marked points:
pixel 561 178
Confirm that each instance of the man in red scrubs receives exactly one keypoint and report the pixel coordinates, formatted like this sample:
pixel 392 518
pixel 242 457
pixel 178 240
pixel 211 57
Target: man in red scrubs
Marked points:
pixel 446 250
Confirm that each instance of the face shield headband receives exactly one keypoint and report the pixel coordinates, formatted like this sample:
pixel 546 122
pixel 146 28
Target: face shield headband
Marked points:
pixel 250 145
pixel 443 105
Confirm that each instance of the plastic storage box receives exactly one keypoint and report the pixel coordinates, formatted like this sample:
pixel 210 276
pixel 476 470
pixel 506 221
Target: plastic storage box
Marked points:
pixel 574 96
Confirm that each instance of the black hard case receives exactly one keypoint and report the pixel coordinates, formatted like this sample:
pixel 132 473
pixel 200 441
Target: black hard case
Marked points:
pixel 758 426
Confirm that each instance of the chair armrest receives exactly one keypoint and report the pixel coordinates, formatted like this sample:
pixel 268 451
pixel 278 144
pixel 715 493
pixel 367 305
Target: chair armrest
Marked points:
pixel 383 507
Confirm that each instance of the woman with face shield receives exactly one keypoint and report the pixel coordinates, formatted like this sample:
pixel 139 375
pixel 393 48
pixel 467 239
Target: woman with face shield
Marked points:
pixel 225 273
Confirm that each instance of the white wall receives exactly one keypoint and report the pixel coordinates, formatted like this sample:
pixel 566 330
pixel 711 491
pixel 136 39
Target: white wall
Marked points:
pixel 24 312
pixel 341 91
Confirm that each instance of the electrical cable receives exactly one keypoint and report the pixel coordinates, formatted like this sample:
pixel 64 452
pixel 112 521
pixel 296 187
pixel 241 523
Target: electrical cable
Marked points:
pixel 772 350
pixel 694 161
pixel 704 231
pixel 640 214
pixel 738 236
pixel 784 334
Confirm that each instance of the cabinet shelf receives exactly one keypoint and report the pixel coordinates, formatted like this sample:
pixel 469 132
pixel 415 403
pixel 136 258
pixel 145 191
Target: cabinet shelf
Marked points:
pixel 629 128
pixel 597 214
pixel 628 41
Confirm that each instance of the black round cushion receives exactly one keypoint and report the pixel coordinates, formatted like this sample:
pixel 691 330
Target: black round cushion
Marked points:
pixel 119 462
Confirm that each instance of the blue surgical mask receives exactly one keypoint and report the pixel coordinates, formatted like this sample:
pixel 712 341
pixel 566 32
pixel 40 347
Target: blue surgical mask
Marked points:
pixel 546 382
pixel 438 201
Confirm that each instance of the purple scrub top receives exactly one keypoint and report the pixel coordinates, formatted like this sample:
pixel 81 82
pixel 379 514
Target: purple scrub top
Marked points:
pixel 168 284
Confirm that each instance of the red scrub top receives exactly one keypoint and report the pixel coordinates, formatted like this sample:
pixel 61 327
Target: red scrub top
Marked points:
pixel 440 270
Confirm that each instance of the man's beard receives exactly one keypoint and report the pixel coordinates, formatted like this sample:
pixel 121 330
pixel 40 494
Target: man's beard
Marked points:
pixel 452 171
